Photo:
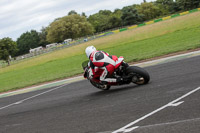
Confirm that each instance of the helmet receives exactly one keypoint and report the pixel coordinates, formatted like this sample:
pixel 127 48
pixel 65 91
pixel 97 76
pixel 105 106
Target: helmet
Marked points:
pixel 89 50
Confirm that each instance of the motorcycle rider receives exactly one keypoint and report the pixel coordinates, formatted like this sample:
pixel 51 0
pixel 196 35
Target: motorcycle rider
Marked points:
pixel 105 62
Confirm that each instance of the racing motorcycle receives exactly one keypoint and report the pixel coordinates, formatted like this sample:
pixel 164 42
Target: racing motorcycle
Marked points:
pixel 129 74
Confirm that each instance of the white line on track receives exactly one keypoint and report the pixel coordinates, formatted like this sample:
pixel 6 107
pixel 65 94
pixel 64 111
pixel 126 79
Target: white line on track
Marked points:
pixel 128 128
pixel 171 123
pixel 21 101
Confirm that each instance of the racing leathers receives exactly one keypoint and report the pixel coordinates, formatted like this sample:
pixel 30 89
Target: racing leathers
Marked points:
pixel 105 64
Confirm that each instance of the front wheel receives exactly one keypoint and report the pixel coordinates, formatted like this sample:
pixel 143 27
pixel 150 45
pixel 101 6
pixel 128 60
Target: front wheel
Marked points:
pixel 139 75
pixel 100 86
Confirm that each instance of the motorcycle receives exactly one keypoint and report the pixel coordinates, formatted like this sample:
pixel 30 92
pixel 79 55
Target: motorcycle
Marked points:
pixel 129 74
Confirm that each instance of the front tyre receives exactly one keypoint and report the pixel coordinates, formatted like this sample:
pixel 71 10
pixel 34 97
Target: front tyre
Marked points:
pixel 139 75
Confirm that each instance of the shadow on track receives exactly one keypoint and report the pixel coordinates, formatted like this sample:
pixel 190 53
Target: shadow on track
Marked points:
pixel 113 90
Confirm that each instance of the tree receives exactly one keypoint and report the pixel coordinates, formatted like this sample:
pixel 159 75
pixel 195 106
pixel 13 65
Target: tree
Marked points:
pixel 167 6
pixel 43 37
pixel 149 10
pixel 130 15
pixel 174 7
pixel 8 48
pixel 188 4
pixel 115 22
pixel 84 15
pixel 72 26
pixel 105 12
pixel 100 20
pixel 164 2
pixel 105 20
pixel 115 19
pixel 28 40
pixel 72 12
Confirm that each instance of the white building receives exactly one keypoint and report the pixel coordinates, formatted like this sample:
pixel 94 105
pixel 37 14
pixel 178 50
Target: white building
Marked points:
pixel 36 49
pixel 51 45
pixel 66 41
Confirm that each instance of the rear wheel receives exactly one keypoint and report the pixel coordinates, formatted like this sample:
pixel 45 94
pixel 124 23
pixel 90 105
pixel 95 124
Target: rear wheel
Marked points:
pixel 139 75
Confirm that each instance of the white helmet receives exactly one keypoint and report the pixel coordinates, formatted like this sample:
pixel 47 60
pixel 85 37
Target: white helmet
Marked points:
pixel 89 50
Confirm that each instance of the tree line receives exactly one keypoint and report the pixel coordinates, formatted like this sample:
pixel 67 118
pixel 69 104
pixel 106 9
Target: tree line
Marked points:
pixel 75 25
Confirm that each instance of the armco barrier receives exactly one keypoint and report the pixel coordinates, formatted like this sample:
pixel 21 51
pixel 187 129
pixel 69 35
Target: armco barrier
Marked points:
pixel 184 13
pixel 123 29
pixel 108 33
pixel 150 22
pixel 100 34
pixel 132 27
pixel 175 15
pixel 165 18
pixel 194 10
pixel 158 20
pixel 139 25
pixel 115 31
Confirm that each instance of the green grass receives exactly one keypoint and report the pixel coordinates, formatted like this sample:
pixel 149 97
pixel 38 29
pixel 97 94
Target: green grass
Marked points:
pixel 149 41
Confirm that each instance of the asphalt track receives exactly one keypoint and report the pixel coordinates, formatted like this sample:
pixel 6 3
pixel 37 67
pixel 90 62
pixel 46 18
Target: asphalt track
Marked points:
pixel 168 104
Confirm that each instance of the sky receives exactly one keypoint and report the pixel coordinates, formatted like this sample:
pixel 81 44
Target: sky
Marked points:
pixel 20 16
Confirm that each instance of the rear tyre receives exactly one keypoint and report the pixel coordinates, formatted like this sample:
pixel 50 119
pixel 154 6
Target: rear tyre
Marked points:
pixel 139 75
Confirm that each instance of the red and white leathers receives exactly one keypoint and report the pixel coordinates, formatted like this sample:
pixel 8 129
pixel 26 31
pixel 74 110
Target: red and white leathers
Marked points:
pixel 101 63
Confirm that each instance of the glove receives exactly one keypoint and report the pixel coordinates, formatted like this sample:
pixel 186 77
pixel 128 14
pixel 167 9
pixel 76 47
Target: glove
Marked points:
pixel 85 73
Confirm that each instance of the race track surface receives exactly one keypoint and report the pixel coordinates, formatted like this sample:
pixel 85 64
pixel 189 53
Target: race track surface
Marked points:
pixel 168 104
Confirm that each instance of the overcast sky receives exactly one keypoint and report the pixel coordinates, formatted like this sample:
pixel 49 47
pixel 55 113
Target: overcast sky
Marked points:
pixel 19 16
